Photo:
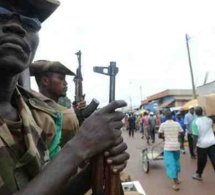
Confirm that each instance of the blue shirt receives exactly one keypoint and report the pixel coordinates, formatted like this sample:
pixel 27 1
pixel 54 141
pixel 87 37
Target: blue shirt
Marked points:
pixel 163 118
pixel 181 122
pixel 188 121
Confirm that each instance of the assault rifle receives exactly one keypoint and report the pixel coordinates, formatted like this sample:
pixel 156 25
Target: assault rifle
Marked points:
pixel 104 181
pixel 79 96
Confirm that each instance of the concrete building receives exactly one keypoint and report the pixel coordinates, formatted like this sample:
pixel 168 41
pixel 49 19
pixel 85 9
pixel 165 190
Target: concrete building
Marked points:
pixel 206 89
pixel 168 98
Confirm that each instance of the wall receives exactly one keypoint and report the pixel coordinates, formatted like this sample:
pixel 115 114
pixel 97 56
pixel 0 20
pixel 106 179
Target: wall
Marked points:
pixel 206 89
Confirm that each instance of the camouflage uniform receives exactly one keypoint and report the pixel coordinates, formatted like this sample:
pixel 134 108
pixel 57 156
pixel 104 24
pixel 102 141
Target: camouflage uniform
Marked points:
pixel 38 129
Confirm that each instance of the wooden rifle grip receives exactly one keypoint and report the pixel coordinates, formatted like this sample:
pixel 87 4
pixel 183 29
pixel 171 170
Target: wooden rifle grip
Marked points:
pixel 112 182
pixel 98 176
pixel 115 184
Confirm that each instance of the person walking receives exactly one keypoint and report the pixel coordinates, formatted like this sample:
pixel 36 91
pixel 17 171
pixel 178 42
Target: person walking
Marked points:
pixel 205 141
pixel 146 126
pixel 140 118
pixel 189 117
pixel 131 124
pixel 180 120
pixel 170 132
pixel 152 123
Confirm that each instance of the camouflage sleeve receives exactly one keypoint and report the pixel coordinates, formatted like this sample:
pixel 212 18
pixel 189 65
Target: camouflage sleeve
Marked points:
pixel 70 125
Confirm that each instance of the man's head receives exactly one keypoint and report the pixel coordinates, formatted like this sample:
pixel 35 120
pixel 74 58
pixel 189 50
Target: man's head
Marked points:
pixel 50 78
pixel 192 110
pixel 151 113
pixel 20 22
pixel 145 114
pixel 199 111
pixel 168 115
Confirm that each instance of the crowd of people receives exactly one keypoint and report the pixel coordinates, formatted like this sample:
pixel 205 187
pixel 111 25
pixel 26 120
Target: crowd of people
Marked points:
pixel 201 142
pixel 146 123
pixel 174 127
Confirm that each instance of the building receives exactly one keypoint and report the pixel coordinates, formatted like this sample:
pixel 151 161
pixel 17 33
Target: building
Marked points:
pixel 206 89
pixel 168 98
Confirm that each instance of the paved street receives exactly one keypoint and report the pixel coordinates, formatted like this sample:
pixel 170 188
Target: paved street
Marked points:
pixel 156 182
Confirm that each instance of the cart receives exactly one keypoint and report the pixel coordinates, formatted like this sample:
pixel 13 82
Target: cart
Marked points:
pixel 152 153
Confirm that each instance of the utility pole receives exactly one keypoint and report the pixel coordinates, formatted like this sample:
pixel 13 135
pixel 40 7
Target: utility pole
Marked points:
pixel 191 70
pixel 141 97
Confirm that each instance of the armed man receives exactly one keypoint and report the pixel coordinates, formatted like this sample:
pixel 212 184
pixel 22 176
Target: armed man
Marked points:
pixel 28 124
pixel 51 79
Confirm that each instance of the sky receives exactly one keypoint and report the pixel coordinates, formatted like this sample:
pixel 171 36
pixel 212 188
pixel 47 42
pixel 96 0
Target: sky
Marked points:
pixel 146 39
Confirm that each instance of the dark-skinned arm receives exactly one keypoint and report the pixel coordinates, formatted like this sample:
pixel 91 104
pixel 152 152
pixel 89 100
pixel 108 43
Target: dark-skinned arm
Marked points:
pixel 161 135
pixel 116 157
pixel 100 129
pixel 53 177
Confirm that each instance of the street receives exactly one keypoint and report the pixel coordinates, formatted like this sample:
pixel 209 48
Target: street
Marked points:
pixel 156 181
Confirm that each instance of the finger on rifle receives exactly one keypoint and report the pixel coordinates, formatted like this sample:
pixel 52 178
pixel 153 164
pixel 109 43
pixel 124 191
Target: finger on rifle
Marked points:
pixel 117 124
pixel 115 116
pixel 111 107
pixel 118 159
pixel 117 135
pixel 121 147
pixel 118 168
pixel 118 141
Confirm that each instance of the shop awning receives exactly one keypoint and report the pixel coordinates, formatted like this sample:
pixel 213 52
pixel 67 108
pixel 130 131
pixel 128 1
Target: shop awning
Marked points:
pixel 190 104
pixel 165 104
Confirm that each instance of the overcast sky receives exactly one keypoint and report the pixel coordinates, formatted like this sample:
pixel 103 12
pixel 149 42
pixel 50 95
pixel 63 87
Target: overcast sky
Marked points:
pixel 146 38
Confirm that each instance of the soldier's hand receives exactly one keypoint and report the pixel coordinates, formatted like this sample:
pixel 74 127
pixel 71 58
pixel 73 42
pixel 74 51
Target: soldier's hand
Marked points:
pixel 116 157
pixel 81 105
pixel 102 129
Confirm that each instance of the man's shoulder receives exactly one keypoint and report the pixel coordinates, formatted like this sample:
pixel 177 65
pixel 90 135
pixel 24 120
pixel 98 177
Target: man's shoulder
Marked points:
pixel 170 123
pixel 187 115
pixel 36 102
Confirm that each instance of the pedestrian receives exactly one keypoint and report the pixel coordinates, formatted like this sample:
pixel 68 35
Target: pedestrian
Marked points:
pixel 157 122
pixel 170 132
pixel 131 124
pixel 28 124
pixel 180 120
pixel 202 129
pixel 163 115
pixel 189 117
pixel 140 118
pixel 146 126
pixel 152 123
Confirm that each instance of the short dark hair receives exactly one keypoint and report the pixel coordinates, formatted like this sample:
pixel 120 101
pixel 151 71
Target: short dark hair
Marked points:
pixel 168 114
pixel 199 111
pixel 145 113
pixel 192 109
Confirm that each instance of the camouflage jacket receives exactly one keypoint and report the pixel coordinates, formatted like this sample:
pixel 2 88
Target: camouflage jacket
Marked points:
pixel 38 130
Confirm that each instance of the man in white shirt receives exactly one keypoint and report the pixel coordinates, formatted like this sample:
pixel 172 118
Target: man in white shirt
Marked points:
pixel 170 131
pixel 205 141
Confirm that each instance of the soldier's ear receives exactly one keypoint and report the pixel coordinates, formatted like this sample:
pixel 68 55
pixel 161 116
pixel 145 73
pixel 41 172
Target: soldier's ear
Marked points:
pixel 45 81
